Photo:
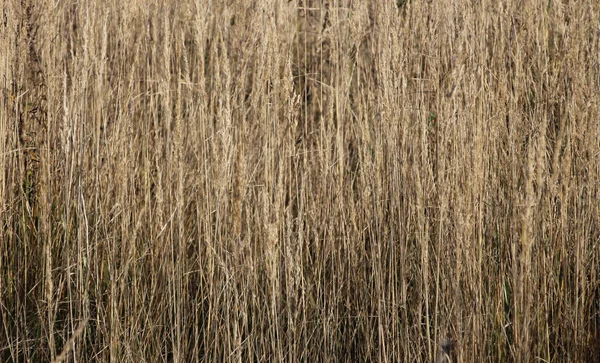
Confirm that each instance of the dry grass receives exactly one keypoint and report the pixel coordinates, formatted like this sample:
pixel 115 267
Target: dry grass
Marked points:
pixel 299 180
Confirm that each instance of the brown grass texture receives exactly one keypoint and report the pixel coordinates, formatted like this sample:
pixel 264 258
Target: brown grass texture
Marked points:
pixel 299 181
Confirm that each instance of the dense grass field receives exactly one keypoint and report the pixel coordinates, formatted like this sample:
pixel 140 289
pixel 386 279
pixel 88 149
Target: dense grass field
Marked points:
pixel 299 181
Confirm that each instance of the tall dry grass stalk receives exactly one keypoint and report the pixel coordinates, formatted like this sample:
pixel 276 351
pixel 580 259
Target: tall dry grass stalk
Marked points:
pixel 299 180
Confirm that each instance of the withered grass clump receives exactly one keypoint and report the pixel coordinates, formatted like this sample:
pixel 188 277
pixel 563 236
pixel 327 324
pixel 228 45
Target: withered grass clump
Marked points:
pixel 299 181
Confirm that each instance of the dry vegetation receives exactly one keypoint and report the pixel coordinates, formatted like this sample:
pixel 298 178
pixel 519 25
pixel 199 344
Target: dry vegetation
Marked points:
pixel 296 181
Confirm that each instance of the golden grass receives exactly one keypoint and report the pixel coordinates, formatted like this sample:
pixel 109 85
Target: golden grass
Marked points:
pixel 299 180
